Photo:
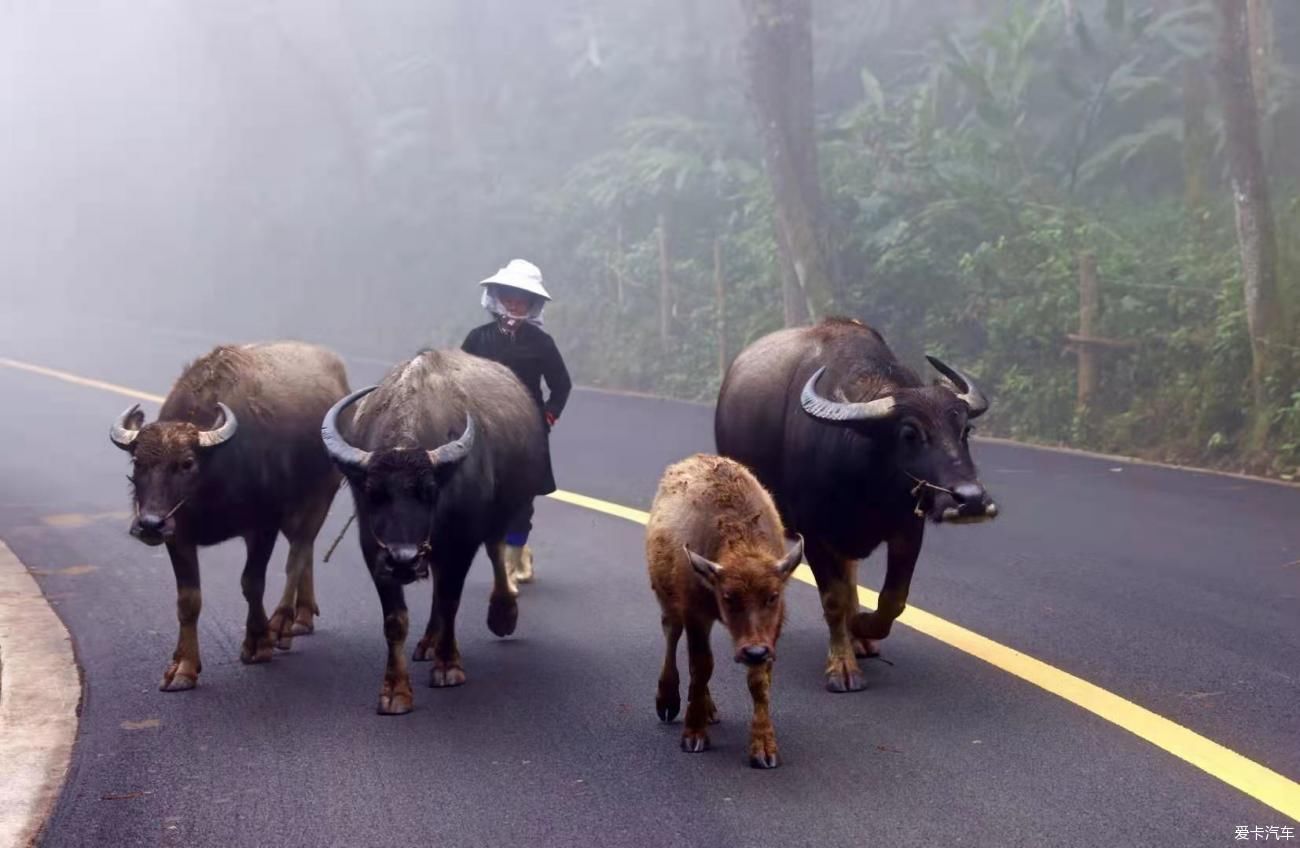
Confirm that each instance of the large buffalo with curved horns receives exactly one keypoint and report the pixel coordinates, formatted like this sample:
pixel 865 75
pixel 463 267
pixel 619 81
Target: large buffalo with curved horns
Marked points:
pixel 857 451
pixel 439 456
pixel 236 452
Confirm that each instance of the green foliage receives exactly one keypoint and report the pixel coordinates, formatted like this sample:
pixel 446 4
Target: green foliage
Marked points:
pixel 964 179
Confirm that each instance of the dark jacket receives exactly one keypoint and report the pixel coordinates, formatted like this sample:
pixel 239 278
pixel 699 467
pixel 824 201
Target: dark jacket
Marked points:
pixel 532 355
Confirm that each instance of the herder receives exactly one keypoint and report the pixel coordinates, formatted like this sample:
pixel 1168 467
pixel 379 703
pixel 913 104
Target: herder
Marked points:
pixel 515 297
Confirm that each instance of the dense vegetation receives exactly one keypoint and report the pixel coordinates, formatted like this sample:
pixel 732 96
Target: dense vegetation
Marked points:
pixel 967 177
pixel 959 171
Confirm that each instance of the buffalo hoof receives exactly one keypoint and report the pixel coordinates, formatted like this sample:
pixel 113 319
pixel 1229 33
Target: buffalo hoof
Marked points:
pixel 394 703
pixel 177 683
pixel 423 650
pixel 503 615
pixel 280 628
pixel 303 622
pixel 695 743
pixel 844 676
pixel 763 755
pixel 865 649
pixel 869 626
pixel 668 708
pixel 255 651
pixel 179 677
pixel 445 678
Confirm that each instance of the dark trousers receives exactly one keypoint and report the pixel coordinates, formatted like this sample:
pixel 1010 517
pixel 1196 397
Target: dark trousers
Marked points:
pixel 520 526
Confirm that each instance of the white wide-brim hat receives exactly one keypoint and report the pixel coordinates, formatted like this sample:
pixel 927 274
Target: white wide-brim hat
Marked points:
pixel 520 274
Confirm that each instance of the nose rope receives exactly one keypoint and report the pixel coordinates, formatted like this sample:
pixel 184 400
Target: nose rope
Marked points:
pixel 918 493
pixel 170 512
pixel 174 509
pixel 339 537
pixel 425 548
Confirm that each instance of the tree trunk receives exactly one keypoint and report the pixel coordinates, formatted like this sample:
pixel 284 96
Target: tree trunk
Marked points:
pixel 1255 228
pixel 694 42
pixel 1259 24
pixel 1089 307
pixel 618 264
pixel 720 303
pixel 1196 138
pixel 779 65
pixel 665 283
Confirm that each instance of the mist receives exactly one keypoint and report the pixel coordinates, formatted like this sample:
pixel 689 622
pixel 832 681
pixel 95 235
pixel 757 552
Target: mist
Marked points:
pixel 246 169
pixel 347 173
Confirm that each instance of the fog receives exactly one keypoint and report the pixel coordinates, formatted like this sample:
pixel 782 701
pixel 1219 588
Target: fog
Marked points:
pixel 347 171
pixel 250 169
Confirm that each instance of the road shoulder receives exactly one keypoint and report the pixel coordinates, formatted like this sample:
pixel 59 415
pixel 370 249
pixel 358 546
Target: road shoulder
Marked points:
pixel 40 693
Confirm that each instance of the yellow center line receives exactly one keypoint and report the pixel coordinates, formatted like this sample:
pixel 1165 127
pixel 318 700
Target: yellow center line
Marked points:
pixel 1257 781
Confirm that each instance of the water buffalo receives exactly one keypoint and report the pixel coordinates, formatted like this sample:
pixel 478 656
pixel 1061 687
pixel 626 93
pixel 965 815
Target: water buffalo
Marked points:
pixel 715 552
pixel 236 452
pixel 439 457
pixel 857 451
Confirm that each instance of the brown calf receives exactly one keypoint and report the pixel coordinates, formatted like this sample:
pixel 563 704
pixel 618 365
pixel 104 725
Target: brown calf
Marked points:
pixel 715 548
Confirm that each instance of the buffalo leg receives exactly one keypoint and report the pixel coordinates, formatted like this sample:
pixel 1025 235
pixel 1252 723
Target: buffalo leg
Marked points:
pixel 503 607
pixel 871 627
pixel 395 696
pixel 668 698
pixel 424 648
pixel 700 711
pixel 258 645
pixel 762 737
pixel 448 586
pixel 183 672
pixel 306 608
pixel 293 615
pixel 836 581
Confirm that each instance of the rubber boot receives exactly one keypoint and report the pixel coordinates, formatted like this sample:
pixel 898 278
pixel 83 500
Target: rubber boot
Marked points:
pixel 524 565
pixel 511 555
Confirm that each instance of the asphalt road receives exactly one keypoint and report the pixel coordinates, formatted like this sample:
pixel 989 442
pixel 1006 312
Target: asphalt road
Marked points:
pixel 1178 591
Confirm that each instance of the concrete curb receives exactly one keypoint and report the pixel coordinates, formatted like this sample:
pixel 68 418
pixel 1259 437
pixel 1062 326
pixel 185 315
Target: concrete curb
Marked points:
pixel 40 697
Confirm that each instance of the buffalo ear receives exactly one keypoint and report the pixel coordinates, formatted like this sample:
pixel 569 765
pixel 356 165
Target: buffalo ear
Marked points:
pixel 707 570
pixel 792 559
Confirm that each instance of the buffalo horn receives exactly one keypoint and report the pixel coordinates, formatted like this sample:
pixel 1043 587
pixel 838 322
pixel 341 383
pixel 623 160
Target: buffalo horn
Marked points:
pixel 706 568
pixel 792 559
pixel 454 452
pixel 127 427
pixel 229 424
pixel 967 391
pixel 344 454
pixel 829 410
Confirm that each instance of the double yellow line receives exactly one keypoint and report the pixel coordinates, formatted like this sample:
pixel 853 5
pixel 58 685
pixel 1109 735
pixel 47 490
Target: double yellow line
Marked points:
pixel 1241 773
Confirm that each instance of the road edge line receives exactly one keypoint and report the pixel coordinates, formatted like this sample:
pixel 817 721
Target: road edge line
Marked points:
pixel 40 703
pixel 1046 447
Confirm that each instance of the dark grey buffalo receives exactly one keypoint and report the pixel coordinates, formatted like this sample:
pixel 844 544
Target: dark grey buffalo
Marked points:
pixel 857 451
pixel 439 456
pixel 236 452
